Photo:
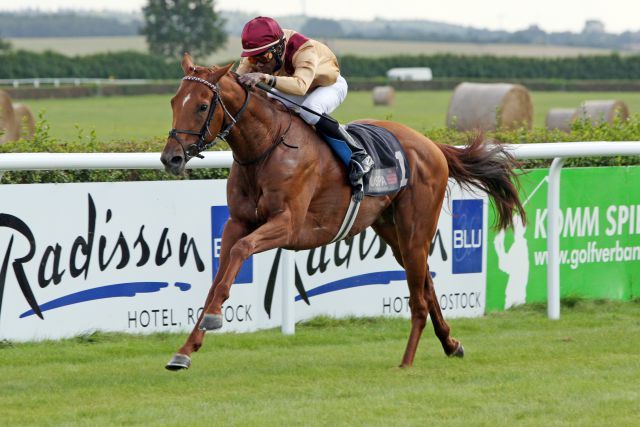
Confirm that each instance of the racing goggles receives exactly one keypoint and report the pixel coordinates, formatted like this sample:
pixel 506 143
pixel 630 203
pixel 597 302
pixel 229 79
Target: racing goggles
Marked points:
pixel 262 58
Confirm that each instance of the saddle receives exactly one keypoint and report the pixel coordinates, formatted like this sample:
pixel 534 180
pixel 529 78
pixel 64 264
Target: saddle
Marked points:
pixel 391 170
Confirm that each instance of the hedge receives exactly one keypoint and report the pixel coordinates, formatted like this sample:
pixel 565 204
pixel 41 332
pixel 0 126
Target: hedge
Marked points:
pixel 42 141
pixel 123 65
pixel 599 67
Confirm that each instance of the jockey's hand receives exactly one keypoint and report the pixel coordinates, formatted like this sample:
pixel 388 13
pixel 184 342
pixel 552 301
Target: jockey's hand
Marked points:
pixel 252 79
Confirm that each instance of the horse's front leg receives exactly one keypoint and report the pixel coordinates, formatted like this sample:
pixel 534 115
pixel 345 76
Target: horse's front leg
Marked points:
pixel 232 232
pixel 275 233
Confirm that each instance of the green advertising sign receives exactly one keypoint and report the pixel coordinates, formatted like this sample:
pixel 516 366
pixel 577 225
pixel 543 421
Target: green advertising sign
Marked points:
pixel 599 240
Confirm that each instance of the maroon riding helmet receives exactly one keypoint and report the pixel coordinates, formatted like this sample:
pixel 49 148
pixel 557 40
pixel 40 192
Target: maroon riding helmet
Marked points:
pixel 259 35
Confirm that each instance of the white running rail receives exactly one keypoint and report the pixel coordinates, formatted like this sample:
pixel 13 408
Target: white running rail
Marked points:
pixel 73 81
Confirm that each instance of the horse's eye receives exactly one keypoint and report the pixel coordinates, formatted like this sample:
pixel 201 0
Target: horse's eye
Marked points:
pixel 203 107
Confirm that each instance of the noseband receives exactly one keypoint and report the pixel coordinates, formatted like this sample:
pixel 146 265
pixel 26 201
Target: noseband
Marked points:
pixel 201 144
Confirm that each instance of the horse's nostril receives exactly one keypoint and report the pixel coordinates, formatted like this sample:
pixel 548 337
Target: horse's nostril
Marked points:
pixel 176 160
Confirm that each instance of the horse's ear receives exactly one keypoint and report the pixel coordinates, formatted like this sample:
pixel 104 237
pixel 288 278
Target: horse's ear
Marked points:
pixel 187 64
pixel 219 72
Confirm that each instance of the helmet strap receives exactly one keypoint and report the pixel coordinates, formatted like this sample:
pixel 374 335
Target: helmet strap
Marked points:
pixel 278 51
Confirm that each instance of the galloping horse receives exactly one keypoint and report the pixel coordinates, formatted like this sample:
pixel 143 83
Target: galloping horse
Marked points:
pixel 286 187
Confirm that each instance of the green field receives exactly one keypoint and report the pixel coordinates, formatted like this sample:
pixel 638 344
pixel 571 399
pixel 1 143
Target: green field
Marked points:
pixel 149 117
pixel 89 45
pixel 519 369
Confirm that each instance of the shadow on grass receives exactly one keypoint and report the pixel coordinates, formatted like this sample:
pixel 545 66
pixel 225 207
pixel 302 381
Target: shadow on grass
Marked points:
pixel 566 303
pixel 90 337
pixel 97 337
pixel 381 324
pixel 6 344
pixel 331 322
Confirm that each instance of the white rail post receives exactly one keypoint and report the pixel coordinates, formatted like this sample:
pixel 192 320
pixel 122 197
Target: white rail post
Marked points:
pixel 288 302
pixel 553 239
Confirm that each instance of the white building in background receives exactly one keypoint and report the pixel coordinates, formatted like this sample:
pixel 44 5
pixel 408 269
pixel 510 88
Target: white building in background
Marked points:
pixel 593 26
pixel 410 73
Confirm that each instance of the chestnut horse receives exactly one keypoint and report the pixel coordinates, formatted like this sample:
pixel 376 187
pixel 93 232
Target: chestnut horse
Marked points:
pixel 286 189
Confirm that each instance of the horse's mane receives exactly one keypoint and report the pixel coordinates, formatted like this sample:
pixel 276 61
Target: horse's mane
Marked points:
pixel 271 102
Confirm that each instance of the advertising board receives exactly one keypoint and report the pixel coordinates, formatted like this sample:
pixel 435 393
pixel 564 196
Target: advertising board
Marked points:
pixel 599 239
pixel 140 257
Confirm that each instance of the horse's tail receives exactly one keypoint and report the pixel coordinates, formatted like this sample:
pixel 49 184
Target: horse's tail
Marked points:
pixel 490 169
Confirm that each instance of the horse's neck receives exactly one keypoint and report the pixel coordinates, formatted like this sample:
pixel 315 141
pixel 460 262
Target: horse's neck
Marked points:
pixel 257 129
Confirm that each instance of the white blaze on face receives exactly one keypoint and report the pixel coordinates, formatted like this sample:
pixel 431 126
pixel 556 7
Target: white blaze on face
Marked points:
pixel 186 98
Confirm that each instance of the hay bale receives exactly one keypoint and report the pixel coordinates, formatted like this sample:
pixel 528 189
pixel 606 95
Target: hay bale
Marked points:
pixel 8 127
pixel 384 95
pixel 25 121
pixel 561 118
pixel 603 111
pixel 488 106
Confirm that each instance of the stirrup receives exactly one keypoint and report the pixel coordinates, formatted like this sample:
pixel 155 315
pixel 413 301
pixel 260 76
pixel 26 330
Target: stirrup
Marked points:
pixel 357 191
pixel 359 168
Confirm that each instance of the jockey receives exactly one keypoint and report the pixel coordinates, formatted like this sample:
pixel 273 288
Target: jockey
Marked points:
pixel 308 73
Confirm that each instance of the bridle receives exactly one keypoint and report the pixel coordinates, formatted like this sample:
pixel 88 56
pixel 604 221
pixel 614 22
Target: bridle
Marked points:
pixel 201 144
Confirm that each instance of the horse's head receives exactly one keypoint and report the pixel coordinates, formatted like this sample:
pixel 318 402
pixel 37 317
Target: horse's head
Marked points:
pixel 197 120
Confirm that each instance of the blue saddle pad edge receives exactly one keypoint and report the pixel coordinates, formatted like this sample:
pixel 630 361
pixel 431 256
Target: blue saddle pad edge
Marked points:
pixel 339 147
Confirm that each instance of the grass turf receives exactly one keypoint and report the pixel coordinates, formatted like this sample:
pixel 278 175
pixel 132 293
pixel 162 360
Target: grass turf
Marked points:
pixel 520 368
pixel 147 117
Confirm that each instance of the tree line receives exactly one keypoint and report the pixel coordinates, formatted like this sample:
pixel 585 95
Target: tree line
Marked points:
pixel 171 27
pixel 65 24
pixel 533 35
pixel 84 24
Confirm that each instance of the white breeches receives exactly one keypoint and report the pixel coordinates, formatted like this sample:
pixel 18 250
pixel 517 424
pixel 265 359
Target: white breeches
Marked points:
pixel 323 99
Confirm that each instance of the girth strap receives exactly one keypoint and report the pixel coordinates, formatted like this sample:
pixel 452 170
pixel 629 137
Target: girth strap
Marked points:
pixel 349 218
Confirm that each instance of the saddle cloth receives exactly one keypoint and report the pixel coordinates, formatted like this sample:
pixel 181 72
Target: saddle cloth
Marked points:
pixel 391 171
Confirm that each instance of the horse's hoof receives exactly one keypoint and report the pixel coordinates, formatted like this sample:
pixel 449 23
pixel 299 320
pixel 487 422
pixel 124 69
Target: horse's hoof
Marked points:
pixel 179 361
pixel 211 322
pixel 459 351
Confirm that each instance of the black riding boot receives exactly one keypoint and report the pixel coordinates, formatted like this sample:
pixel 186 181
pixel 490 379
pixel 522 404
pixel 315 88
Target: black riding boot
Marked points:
pixel 361 163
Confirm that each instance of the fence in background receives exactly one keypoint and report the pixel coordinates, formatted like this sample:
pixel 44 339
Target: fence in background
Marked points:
pixel 57 82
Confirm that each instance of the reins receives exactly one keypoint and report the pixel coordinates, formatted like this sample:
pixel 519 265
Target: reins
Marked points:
pixel 273 92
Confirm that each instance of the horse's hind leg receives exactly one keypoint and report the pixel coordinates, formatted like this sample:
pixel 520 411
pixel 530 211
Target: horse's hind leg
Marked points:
pixel 410 238
pixel 413 257
pixel 411 252
pixel 451 346
pixel 386 230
